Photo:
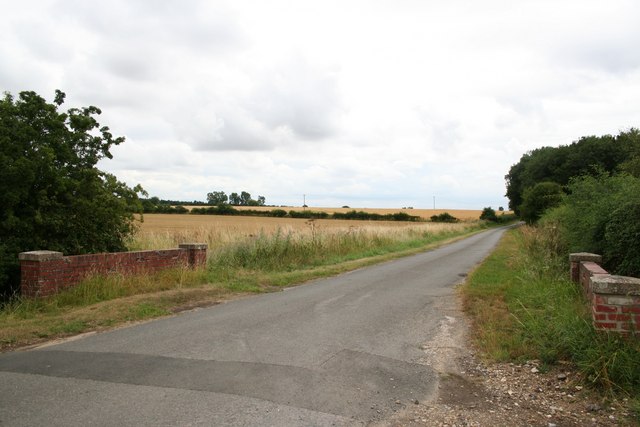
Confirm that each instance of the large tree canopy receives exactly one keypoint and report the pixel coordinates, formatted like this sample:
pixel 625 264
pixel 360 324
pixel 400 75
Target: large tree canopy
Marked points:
pixel 601 214
pixel 538 199
pixel 589 156
pixel 52 196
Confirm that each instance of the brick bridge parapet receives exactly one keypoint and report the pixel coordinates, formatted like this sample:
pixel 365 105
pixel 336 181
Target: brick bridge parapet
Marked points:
pixel 614 300
pixel 45 273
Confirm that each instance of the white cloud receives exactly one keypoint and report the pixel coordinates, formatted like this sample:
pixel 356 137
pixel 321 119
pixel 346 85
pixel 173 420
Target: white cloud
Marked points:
pixel 373 103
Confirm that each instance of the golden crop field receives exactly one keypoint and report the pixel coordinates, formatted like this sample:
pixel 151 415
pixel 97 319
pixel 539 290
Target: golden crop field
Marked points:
pixel 166 231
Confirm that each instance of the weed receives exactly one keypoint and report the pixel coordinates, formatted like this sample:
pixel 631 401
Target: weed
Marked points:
pixel 524 307
pixel 146 310
pixel 70 327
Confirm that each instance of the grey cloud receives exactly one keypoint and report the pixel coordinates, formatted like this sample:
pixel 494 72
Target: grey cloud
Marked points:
pixel 611 47
pixel 231 130
pixel 445 133
pixel 293 101
pixel 611 58
pixel 522 104
pixel 234 135
pixel 93 84
pixel 300 97
pixel 43 41
pixel 191 25
pixel 130 65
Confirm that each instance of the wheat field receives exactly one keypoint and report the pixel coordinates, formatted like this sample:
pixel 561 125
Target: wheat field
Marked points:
pixel 161 231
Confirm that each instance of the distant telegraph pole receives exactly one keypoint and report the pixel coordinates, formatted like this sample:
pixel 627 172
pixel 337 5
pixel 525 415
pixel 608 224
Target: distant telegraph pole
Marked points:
pixel 434 202
pixel 304 201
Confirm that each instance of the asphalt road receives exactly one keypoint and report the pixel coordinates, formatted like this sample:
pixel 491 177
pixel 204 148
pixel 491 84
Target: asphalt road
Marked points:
pixel 339 351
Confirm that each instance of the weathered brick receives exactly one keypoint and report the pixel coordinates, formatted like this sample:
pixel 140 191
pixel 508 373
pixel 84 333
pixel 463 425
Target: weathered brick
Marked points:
pixel 619 317
pixel 605 325
pixel 44 272
pixel 602 308
pixel 600 299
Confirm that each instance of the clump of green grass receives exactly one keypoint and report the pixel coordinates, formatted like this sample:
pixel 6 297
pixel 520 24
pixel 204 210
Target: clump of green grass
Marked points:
pixel 70 327
pixel 95 289
pixel 288 251
pixel 146 310
pixel 524 307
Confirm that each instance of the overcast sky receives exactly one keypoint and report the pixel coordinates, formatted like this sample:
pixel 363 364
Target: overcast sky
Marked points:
pixel 359 103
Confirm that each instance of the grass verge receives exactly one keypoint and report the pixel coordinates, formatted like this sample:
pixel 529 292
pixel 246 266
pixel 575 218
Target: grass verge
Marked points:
pixel 524 307
pixel 261 263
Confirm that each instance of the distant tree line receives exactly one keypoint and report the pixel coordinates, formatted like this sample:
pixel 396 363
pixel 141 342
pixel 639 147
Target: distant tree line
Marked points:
pixel 184 202
pixel 155 205
pixel 225 209
pixel 217 198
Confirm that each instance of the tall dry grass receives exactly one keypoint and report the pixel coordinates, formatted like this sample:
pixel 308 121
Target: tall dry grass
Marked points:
pixel 167 231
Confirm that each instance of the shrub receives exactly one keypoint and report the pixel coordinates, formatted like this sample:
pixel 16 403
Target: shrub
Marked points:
pixel 622 239
pixel 539 198
pixel 488 214
pixel 308 214
pixel 444 217
pixel 600 215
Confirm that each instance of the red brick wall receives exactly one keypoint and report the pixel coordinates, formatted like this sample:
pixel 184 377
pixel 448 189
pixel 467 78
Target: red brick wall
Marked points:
pixel 45 272
pixel 614 300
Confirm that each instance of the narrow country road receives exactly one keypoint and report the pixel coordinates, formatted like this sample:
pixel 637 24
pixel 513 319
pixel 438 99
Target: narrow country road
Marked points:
pixel 340 351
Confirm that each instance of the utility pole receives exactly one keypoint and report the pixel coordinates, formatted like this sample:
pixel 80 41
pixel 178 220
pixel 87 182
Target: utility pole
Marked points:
pixel 434 203
pixel 304 201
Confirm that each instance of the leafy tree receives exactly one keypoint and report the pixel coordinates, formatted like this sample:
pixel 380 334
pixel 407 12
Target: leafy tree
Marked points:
pixel 600 215
pixel 245 199
pixel 588 156
pixel 488 214
pixel 631 140
pixel 217 198
pixel 515 183
pixel 234 199
pixel 622 239
pixel 52 196
pixel 538 199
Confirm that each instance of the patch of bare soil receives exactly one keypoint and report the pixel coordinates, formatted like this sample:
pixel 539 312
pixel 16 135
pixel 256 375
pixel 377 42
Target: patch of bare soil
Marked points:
pixel 472 393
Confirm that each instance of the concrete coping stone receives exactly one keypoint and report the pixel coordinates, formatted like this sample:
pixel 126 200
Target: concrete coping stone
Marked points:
pixel 40 256
pixel 193 246
pixel 615 285
pixel 585 256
